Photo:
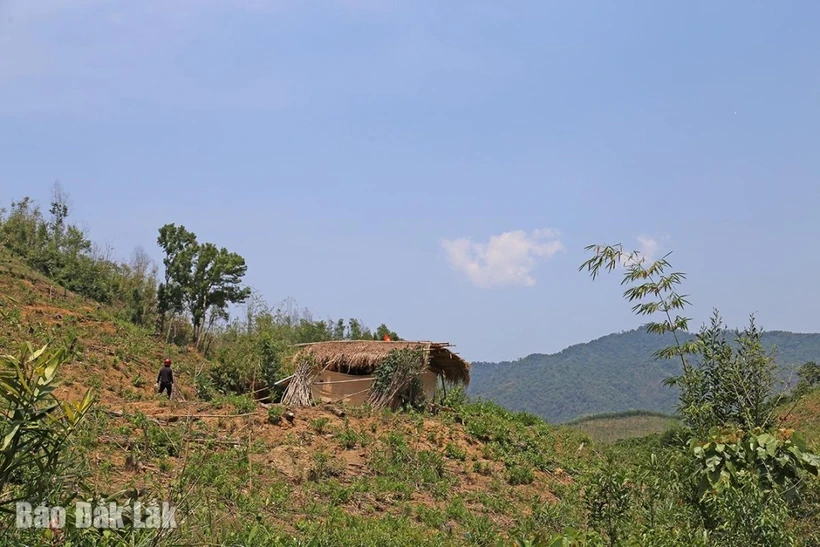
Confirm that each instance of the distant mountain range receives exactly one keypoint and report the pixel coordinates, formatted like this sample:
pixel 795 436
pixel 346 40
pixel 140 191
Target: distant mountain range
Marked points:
pixel 611 374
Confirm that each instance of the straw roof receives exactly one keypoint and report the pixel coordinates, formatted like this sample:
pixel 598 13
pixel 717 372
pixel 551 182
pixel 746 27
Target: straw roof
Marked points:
pixel 363 356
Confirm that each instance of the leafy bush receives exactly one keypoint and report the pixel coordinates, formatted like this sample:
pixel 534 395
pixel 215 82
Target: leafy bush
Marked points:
pixel 608 500
pixel 318 425
pixel 156 441
pixel 455 452
pixel 324 466
pixel 456 397
pixel 779 458
pixel 520 474
pixel 527 418
pixel 748 513
pixel 205 389
pixel 482 468
pixel 349 438
pixel 275 414
pixel 37 424
pixel 243 404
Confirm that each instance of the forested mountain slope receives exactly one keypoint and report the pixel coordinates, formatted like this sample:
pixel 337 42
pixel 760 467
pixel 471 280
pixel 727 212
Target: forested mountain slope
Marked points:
pixel 611 374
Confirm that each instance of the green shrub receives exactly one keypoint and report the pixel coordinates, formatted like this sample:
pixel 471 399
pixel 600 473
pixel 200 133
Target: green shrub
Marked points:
pixel 36 425
pixel 456 397
pixel 481 531
pixel 748 513
pixel 205 389
pixel 324 466
pixel 95 381
pixel 520 474
pixel 482 468
pixel 527 418
pixel 349 438
pixel 454 452
pixel 318 425
pixel 243 404
pixel 432 517
pixel 608 500
pixel 275 414
pixel 156 440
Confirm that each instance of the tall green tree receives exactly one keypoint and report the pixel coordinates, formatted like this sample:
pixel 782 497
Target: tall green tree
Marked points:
pixel 180 247
pixel 216 282
pixel 200 279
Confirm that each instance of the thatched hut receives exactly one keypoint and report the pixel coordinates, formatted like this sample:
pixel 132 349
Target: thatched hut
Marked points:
pixel 382 372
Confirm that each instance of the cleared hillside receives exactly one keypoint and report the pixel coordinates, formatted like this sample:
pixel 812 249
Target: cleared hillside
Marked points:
pixel 614 373
pixel 609 428
pixel 804 416
pixel 476 474
pixel 113 356
pixel 243 473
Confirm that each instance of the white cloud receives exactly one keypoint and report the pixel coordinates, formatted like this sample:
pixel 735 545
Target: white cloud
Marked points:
pixel 506 259
pixel 648 247
pixel 647 251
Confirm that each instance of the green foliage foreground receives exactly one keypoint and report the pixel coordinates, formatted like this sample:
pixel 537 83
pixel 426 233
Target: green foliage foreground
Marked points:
pixel 729 477
pixel 35 426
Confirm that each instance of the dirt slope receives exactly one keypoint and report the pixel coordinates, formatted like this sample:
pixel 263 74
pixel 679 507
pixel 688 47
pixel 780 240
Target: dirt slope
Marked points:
pixel 112 356
pixel 416 478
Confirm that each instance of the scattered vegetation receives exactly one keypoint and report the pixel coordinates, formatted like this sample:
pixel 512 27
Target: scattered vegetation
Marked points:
pixel 275 415
pixel 729 476
pixel 731 471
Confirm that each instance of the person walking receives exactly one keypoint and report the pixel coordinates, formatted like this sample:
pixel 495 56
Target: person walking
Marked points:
pixel 165 378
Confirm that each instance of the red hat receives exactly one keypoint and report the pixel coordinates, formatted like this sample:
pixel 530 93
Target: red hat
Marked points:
pixel 167 361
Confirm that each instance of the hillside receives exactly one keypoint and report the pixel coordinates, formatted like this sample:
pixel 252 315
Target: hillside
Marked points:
pixel 614 373
pixel 113 356
pixel 609 428
pixel 343 476
pixel 804 416
pixel 240 472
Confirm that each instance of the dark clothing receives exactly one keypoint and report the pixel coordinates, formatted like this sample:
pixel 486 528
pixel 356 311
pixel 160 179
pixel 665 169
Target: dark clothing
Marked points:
pixel 166 376
pixel 165 379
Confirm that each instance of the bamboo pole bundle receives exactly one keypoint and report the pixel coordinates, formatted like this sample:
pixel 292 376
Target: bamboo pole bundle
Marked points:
pixel 298 392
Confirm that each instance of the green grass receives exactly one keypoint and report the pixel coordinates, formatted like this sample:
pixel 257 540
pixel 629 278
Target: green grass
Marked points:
pixel 402 490
pixel 609 428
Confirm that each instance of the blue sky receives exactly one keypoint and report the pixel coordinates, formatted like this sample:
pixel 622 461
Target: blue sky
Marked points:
pixel 438 166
